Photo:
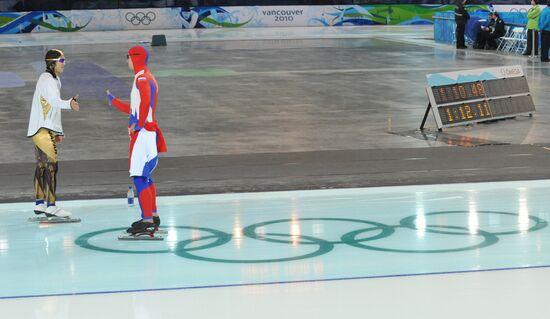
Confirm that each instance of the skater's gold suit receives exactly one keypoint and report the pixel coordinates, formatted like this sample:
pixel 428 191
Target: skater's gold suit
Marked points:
pixel 45 150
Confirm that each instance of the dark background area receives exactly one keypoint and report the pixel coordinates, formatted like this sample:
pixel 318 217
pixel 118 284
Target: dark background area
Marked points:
pixel 32 5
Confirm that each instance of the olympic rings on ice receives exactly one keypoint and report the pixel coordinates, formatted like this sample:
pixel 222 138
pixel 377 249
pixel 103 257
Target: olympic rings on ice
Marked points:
pixel 195 246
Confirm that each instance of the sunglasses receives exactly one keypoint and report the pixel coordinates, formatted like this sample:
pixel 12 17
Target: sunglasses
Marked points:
pixel 60 60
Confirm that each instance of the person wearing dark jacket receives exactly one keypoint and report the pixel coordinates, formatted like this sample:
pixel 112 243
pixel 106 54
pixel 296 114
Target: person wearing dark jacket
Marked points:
pixel 461 18
pixel 491 32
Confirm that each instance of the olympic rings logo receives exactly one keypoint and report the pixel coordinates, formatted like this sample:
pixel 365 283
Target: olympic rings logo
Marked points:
pixel 364 238
pixel 140 18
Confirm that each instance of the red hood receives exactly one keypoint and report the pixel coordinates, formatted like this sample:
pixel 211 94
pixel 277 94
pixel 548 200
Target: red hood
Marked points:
pixel 139 56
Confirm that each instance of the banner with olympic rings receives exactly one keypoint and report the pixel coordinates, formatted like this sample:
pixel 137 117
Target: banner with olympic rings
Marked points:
pixel 230 17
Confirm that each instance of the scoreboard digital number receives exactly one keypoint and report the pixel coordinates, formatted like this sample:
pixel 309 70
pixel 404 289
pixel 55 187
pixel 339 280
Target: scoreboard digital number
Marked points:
pixel 485 97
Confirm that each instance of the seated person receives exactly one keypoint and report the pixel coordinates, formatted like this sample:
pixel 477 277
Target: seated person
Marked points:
pixel 486 37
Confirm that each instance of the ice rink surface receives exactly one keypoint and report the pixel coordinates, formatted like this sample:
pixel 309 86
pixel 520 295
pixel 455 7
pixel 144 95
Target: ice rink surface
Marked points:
pixel 333 251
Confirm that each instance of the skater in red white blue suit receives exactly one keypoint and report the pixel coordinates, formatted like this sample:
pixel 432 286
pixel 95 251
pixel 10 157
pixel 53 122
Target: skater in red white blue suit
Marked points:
pixel 146 139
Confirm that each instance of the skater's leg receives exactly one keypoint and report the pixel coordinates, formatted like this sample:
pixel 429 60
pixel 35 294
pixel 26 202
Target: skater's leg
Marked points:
pixel 144 197
pixel 50 181
pixel 46 172
pixel 143 159
pixel 146 224
pixel 156 218
pixel 153 189
pixel 46 169
pixel 153 193
pixel 41 160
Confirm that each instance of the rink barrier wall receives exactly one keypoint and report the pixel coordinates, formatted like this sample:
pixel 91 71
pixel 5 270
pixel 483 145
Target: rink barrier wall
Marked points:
pixel 230 17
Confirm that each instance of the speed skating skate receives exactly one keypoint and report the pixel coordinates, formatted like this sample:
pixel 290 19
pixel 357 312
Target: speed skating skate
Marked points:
pixel 141 230
pixel 52 215
pixel 156 222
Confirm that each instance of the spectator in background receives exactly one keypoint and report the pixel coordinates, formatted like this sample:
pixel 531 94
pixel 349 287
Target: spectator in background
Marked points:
pixel 544 27
pixel 461 18
pixel 532 28
pixel 486 38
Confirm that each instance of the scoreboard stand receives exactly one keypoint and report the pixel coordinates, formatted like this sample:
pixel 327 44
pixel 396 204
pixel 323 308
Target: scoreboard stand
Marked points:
pixel 426 116
pixel 479 95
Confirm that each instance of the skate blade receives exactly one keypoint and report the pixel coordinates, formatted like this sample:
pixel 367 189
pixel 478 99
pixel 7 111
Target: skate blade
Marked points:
pixel 140 237
pixel 37 219
pixel 59 220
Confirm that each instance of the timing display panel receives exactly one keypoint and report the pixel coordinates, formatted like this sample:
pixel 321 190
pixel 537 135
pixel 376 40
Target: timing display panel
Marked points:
pixel 464 97
pixel 507 86
pixel 464 112
pixel 512 105
pixel 458 92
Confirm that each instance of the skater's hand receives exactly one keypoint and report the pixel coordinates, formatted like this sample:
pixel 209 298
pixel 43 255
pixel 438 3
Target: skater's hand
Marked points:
pixel 74 103
pixel 132 129
pixel 58 139
pixel 109 97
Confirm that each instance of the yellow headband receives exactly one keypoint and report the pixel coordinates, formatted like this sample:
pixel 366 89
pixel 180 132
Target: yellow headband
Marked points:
pixel 56 59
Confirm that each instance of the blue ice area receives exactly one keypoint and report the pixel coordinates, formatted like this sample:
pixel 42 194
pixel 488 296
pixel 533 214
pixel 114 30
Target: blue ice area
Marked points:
pixel 277 237
pixel 10 80
pixel 89 81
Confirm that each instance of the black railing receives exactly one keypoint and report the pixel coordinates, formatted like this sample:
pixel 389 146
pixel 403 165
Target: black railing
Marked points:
pixel 508 24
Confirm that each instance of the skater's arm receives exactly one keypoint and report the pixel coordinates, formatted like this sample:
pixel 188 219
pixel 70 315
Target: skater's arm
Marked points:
pixel 52 96
pixel 145 93
pixel 120 105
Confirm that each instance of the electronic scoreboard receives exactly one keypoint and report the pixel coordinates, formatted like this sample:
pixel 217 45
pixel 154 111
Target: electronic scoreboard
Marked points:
pixel 471 96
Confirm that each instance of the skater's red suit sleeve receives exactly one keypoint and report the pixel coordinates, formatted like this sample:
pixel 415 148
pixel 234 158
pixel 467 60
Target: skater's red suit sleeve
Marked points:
pixel 145 94
pixel 122 106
